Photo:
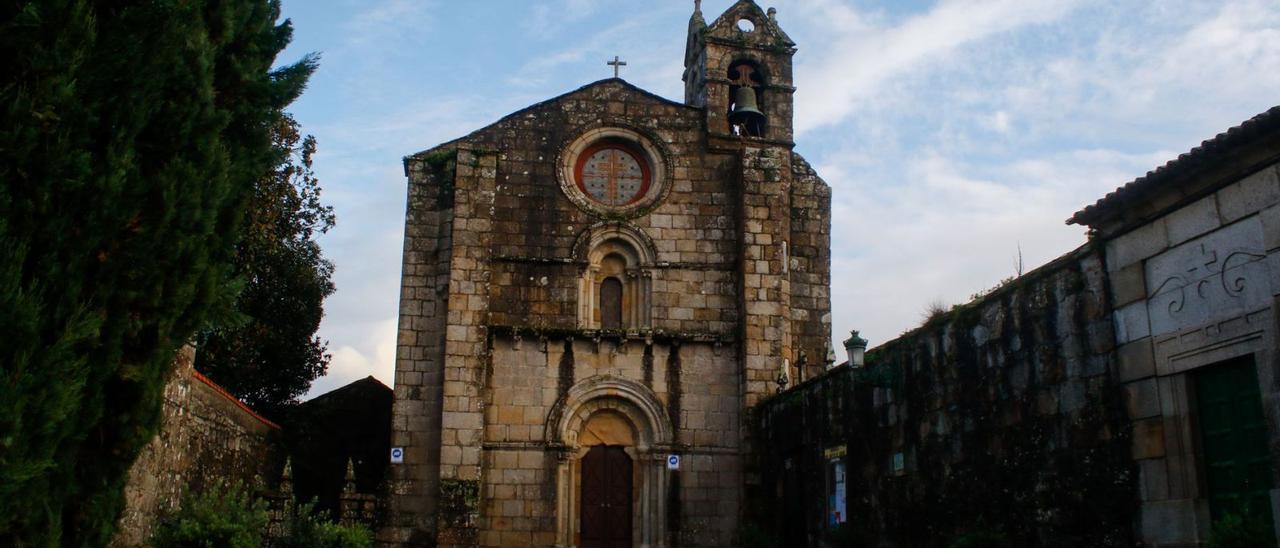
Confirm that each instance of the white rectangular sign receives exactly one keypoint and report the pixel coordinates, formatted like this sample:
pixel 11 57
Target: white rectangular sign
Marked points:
pixel 397 455
pixel 673 462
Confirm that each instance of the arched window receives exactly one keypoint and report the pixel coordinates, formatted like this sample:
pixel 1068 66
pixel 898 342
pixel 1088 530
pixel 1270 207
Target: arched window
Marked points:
pixel 611 303
pixel 616 281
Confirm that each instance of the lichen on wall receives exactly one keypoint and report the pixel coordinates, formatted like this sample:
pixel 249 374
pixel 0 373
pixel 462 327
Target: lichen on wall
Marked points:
pixel 1001 415
pixel 206 439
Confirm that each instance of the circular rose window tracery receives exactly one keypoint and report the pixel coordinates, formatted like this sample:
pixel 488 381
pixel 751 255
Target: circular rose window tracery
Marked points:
pixel 612 174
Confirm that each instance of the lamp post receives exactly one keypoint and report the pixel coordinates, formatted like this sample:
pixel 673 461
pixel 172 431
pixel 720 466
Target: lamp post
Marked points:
pixel 857 348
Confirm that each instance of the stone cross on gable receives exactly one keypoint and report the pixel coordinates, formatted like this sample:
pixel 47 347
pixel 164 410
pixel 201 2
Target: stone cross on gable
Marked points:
pixel 617 65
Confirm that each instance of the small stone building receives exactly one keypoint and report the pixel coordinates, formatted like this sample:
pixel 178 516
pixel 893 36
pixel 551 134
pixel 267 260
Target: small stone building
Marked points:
pixel 601 282
pixel 1193 263
pixel 344 431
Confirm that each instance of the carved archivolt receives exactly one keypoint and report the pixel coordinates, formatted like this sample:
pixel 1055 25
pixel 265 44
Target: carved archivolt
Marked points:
pixel 630 399
pixel 625 254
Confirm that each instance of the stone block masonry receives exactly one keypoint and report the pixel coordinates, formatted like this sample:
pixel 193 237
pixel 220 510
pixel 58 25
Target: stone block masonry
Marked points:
pixel 207 438
pixel 1002 414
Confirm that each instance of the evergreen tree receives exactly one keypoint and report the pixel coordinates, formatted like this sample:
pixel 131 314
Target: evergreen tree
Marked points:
pixel 271 355
pixel 131 135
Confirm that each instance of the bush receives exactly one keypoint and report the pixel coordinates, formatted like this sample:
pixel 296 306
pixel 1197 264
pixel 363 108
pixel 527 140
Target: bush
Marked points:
pixel 1241 531
pixel 308 530
pixel 751 535
pixel 982 539
pixel 223 516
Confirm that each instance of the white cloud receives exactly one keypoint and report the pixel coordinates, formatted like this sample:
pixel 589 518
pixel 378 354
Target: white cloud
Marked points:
pixel 861 57
pixel 945 233
pixel 388 20
pixel 373 356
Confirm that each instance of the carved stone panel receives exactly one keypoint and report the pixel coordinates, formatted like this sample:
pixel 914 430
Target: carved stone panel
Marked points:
pixel 1221 275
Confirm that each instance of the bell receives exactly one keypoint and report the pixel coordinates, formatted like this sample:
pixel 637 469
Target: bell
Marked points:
pixel 745 112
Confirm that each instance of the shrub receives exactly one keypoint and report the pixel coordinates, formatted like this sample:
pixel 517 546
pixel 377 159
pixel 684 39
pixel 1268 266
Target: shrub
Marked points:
pixel 308 530
pixel 751 535
pixel 223 516
pixel 1241 531
pixel 982 539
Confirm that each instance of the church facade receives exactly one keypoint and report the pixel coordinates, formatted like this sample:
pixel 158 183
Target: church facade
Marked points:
pixel 596 290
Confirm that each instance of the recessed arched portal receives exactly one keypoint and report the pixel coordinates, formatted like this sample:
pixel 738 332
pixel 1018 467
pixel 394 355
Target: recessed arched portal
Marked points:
pixel 613 435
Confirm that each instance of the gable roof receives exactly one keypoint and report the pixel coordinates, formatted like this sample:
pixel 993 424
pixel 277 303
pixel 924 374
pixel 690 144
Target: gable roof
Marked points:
pixel 1210 151
pixel 599 83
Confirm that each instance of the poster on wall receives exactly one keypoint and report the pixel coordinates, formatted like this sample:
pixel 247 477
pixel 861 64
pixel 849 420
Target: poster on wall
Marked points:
pixel 837 494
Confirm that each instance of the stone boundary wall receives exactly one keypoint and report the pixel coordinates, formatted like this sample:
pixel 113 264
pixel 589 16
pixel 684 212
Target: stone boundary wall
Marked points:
pixel 206 436
pixel 1003 415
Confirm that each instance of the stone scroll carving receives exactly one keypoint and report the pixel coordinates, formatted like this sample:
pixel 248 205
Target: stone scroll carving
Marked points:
pixel 1218 276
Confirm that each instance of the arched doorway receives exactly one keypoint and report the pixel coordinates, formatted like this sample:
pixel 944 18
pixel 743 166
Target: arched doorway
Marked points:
pixel 612 481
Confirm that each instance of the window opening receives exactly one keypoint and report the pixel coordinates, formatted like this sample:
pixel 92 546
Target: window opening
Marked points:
pixel 611 303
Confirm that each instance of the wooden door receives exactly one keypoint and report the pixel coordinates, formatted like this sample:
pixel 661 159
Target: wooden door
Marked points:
pixel 1233 435
pixel 606 498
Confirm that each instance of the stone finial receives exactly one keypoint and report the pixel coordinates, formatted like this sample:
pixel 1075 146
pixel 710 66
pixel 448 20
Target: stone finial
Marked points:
pixel 697 6
pixel 773 14
pixel 286 479
pixel 350 485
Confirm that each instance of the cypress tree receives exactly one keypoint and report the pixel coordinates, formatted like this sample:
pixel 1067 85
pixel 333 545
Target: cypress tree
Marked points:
pixel 131 134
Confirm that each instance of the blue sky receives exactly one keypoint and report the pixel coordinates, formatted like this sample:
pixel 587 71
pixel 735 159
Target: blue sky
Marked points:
pixel 953 132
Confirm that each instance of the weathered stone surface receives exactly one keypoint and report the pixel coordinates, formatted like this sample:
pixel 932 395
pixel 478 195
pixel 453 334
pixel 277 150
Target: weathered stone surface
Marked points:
pixel 1218 276
pixel 1142 399
pixel 1148 438
pixel 1169 523
pixel 1136 360
pixel 966 412
pixel 1250 195
pixel 1270 218
pixel 1129 284
pixel 1193 220
pixel 207 438
pixel 1137 245
pixel 1132 322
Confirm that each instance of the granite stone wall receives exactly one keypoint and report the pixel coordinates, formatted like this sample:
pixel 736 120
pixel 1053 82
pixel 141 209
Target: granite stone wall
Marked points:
pixel 497 363
pixel 207 438
pixel 1003 415
pixel 1193 289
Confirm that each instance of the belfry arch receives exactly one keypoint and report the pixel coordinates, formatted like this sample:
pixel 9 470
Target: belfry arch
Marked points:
pixel 613 412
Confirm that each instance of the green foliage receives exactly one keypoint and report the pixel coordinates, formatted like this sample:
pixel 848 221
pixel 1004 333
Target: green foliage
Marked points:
pixel 459 501
pixel 982 539
pixel 223 516
pixel 751 535
pixel 131 135
pixel 271 355
pixel 308 530
pixel 1242 531
pixel 841 535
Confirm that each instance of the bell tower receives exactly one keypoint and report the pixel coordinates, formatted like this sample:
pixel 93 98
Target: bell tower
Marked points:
pixel 739 69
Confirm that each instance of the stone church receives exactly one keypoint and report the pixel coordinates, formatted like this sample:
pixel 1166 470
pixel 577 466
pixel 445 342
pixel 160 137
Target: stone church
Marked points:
pixel 596 289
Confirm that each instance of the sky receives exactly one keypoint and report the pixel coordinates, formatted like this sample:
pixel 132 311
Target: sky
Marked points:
pixel 956 135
